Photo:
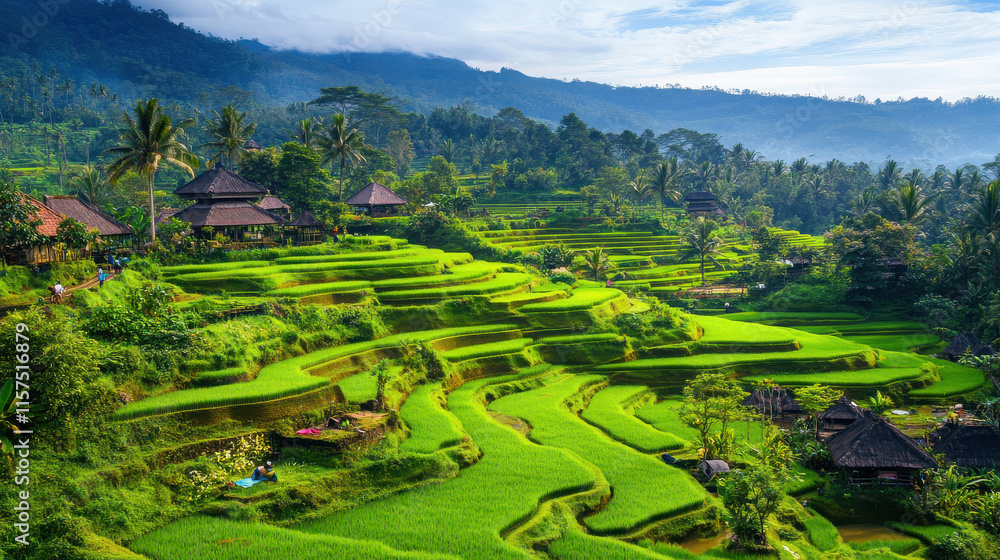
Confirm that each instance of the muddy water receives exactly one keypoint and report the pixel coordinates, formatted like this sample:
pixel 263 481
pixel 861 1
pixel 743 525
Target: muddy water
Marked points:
pixel 869 532
pixel 699 546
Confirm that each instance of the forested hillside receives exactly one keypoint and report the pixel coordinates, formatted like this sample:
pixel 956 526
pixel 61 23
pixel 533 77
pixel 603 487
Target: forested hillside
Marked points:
pixel 139 54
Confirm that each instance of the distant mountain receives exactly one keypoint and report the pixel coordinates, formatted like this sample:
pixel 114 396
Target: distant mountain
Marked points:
pixel 144 54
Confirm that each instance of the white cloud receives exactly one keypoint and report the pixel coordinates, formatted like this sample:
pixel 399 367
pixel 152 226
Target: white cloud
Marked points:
pixel 882 49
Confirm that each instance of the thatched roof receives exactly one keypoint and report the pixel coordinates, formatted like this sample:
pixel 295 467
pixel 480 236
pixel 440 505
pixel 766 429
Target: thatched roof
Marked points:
pixel 270 202
pixel 220 183
pixel 700 196
pixel 713 467
pixel 254 145
pixel 968 445
pixel 777 401
pixel 843 409
pixel 966 341
pixel 87 214
pixel 306 219
pixel 50 219
pixel 873 442
pixel 375 194
pixel 226 213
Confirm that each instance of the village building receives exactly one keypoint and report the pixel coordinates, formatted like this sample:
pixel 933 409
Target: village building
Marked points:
pixel 968 445
pixel 966 342
pixel 110 230
pixel 703 203
pixel 276 206
pixel 43 251
pixel 222 200
pixel 306 229
pixel 873 450
pixel 775 401
pixel 376 200
pixel 840 415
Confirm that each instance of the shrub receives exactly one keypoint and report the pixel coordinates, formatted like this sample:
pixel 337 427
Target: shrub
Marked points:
pixel 962 545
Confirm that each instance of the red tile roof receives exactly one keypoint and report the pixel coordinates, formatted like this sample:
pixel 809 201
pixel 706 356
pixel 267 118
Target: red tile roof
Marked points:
pixel 50 220
pixel 87 214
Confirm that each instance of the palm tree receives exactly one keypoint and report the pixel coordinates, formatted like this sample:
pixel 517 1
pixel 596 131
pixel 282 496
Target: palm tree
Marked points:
pixel 986 211
pixel 888 175
pixel 89 184
pixel 450 150
pixel 865 202
pixel 307 132
pixel 230 134
pixel 147 140
pixel 339 142
pixel 703 241
pixel 641 187
pixel 705 173
pixel 666 177
pixel 911 202
pixel 596 263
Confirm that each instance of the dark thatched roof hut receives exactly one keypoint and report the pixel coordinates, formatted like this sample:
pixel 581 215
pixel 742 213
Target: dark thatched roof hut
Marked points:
pixel 774 401
pixel 275 206
pixel 308 228
pixel 841 414
pixel 968 445
pixel 966 342
pixel 712 467
pixel 222 201
pixel 702 202
pixel 376 199
pixel 873 449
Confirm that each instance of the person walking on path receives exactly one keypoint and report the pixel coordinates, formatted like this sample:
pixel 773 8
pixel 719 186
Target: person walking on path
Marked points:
pixel 100 277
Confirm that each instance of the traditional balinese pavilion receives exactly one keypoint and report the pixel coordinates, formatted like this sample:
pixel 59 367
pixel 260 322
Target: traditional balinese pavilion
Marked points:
pixel 222 201
pixel 841 414
pixel 276 206
pixel 968 445
pixel 377 200
pixel 702 203
pixel 712 468
pixel 43 251
pixel 110 229
pixel 873 450
pixel 773 402
pixel 966 342
pixel 306 229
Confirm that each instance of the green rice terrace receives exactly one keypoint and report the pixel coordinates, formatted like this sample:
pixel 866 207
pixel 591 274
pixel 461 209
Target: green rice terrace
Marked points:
pixel 491 413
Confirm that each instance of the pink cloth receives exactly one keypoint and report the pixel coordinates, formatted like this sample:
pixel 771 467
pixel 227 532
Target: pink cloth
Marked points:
pixel 308 431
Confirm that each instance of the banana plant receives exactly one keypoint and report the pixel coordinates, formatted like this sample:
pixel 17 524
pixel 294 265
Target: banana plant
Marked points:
pixel 8 411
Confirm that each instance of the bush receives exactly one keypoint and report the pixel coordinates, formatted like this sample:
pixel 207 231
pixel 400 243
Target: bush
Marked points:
pixel 962 545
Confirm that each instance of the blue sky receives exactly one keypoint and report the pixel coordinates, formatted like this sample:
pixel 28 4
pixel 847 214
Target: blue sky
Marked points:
pixel 878 49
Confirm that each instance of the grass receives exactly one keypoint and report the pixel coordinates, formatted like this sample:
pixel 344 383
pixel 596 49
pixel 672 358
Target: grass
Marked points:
pixel 208 538
pixel 665 416
pixel 789 318
pixel 635 501
pixel 956 379
pixel 464 516
pixel 875 377
pixel 431 427
pixel 580 299
pixel 607 410
pixel 823 534
pixel 927 534
pixel 363 387
pixel 579 338
pixel 503 282
pixel 281 379
pixel 488 349
pixel 901 546
pixel 896 342
pixel 721 332
pixel 577 545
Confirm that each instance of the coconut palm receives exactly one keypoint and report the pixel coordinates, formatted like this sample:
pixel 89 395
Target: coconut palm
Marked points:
pixel 229 134
pixel 642 189
pixel 888 175
pixel 450 150
pixel 911 202
pixel 596 263
pixel 89 184
pixel 340 142
pixel 986 211
pixel 701 240
pixel 667 176
pixel 146 141
pixel 865 202
pixel 307 132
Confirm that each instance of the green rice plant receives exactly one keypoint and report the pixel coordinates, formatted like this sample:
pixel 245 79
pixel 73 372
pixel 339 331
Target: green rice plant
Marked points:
pixel 579 300
pixel 665 417
pixel 218 376
pixel 579 338
pixel 209 538
pixel 875 377
pixel 321 288
pixel 363 387
pixel 489 349
pixel 926 533
pixel 896 342
pixel 724 332
pixel 791 318
pixel 460 274
pixel 635 501
pixel 577 545
pixel 607 410
pixel 956 379
pixel 431 427
pixel 465 516
pixel 503 282
pixel 285 378
pixel 823 534
pixel 409 250
pixel 896 546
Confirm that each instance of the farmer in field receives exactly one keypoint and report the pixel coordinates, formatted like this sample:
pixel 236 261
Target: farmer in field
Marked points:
pixel 265 472
pixel 100 277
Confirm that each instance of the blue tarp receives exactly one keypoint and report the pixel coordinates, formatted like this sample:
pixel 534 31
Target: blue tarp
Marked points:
pixel 247 482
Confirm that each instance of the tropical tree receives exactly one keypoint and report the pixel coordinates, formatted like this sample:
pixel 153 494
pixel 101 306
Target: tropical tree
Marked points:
pixel 596 263
pixel 986 211
pixel 230 134
pixel 888 175
pixel 146 141
pixel 712 403
pixel 911 203
pixel 342 143
pixel 90 184
pixel 450 150
pixel 666 177
pixel 307 132
pixel 701 240
pixel 18 218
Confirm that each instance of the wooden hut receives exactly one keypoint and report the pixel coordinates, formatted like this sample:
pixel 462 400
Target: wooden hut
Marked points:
pixel 841 414
pixel 712 468
pixel 222 201
pixel 702 203
pixel 43 251
pixel 276 206
pixel 110 229
pixel 307 228
pixel 773 402
pixel 968 445
pixel 873 450
pixel 966 342
pixel 377 200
